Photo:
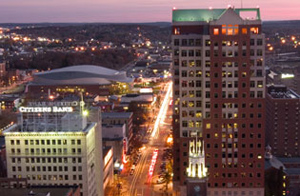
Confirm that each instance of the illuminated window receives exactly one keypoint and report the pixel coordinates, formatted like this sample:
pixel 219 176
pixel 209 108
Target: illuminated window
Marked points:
pixel 244 30
pixel 216 31
pixel 191 124
pixel 230 29
pixel 208 125
pixel 191 104
pixel 223 31
pixel 177 31
pixel 254 30
pixel 198 114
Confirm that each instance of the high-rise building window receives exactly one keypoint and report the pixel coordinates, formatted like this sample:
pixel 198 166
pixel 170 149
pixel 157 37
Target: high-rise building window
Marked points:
pixel 216 31
pixel 259 42
pixel 191 53
pixel 207 53
pixel 198 42
pixel 259 52
pixel 207 42
pixel 198 53
pixel 177 31
pixel 191 42
pixel 184 63
pixel 254 30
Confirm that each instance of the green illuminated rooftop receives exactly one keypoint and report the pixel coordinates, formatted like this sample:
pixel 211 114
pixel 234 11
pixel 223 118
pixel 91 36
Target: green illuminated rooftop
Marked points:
pixel 206 15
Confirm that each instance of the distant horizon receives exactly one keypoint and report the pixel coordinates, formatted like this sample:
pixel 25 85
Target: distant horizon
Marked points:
pixel 118 22
pixel 130 11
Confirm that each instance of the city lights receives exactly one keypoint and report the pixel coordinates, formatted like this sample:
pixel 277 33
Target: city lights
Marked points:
pixel 153 161
pixel 85 113
pixel 293 38
pixel 163 109
pixel 170 139
pixel 196 96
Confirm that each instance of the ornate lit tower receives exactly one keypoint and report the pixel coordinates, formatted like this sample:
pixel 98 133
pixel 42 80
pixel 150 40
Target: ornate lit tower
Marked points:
pixel 196 159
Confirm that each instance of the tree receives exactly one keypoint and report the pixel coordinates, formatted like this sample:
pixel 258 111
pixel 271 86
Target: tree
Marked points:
pixel 158 101
pixel 167 176
pixel 139 114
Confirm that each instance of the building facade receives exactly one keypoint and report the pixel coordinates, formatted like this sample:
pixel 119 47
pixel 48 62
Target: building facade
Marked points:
pixel 282 123
pixel 115 136
pixel 119 118
pixel 108 167
pixel 218 96
pixel 91 79
pixel 54 145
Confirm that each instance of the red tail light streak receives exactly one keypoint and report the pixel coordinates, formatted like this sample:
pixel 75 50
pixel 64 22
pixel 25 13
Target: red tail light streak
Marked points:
pixel 153 161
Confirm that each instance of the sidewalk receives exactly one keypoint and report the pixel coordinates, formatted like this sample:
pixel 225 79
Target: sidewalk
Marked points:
pixel 160 189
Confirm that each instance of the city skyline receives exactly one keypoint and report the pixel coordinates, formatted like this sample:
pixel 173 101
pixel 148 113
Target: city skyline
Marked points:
pixel 131 11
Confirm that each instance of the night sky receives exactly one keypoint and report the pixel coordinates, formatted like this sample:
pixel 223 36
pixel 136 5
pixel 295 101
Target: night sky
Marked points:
pixel 26 11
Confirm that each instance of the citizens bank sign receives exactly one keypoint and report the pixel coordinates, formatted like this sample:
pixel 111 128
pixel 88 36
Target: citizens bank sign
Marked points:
pixel 49 107
pixel 45 109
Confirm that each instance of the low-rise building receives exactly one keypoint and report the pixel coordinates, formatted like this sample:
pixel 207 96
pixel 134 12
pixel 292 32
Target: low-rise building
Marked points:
pixel 115 136
pixel 119 118
pixel 143 101
pixel 42 191
pixel 108 169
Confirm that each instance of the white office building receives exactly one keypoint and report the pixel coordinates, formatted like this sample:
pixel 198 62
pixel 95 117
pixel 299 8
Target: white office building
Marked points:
pixel 54 144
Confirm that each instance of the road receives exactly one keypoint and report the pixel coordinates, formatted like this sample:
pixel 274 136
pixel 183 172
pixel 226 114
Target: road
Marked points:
pixel 8 89
pixel 143 182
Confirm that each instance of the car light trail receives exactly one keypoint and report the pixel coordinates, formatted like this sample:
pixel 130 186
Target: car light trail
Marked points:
pixel 163 110
pixel 153 161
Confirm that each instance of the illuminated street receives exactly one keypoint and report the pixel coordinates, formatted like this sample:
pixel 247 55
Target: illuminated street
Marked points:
pixel 143 182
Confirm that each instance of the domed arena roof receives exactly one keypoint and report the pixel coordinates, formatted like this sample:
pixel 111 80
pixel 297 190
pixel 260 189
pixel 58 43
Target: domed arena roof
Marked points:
pixel 81 74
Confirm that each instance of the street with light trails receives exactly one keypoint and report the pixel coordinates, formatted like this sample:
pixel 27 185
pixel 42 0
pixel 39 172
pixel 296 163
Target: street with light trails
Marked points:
pixel 143 181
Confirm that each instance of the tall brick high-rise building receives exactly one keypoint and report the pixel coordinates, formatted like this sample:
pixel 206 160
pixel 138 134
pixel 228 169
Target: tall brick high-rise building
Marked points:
pixel 219 93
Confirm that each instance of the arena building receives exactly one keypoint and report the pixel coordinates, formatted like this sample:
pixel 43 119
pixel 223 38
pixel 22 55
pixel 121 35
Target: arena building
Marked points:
pixel 80 78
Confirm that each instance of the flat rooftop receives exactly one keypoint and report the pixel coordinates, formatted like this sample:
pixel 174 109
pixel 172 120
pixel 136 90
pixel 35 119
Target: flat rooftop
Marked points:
pixel 137 97
pixel 281 92
pixel 36 191
pixel 106 115
pixel 17 128
pixel 206 15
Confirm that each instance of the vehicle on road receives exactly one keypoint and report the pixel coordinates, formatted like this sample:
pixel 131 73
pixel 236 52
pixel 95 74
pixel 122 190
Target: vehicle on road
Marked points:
pixel 160 180
pixel 131 172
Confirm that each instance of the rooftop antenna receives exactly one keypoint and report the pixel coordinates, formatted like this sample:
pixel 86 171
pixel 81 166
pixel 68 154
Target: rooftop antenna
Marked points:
pixel 81 103
pixel 241 3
